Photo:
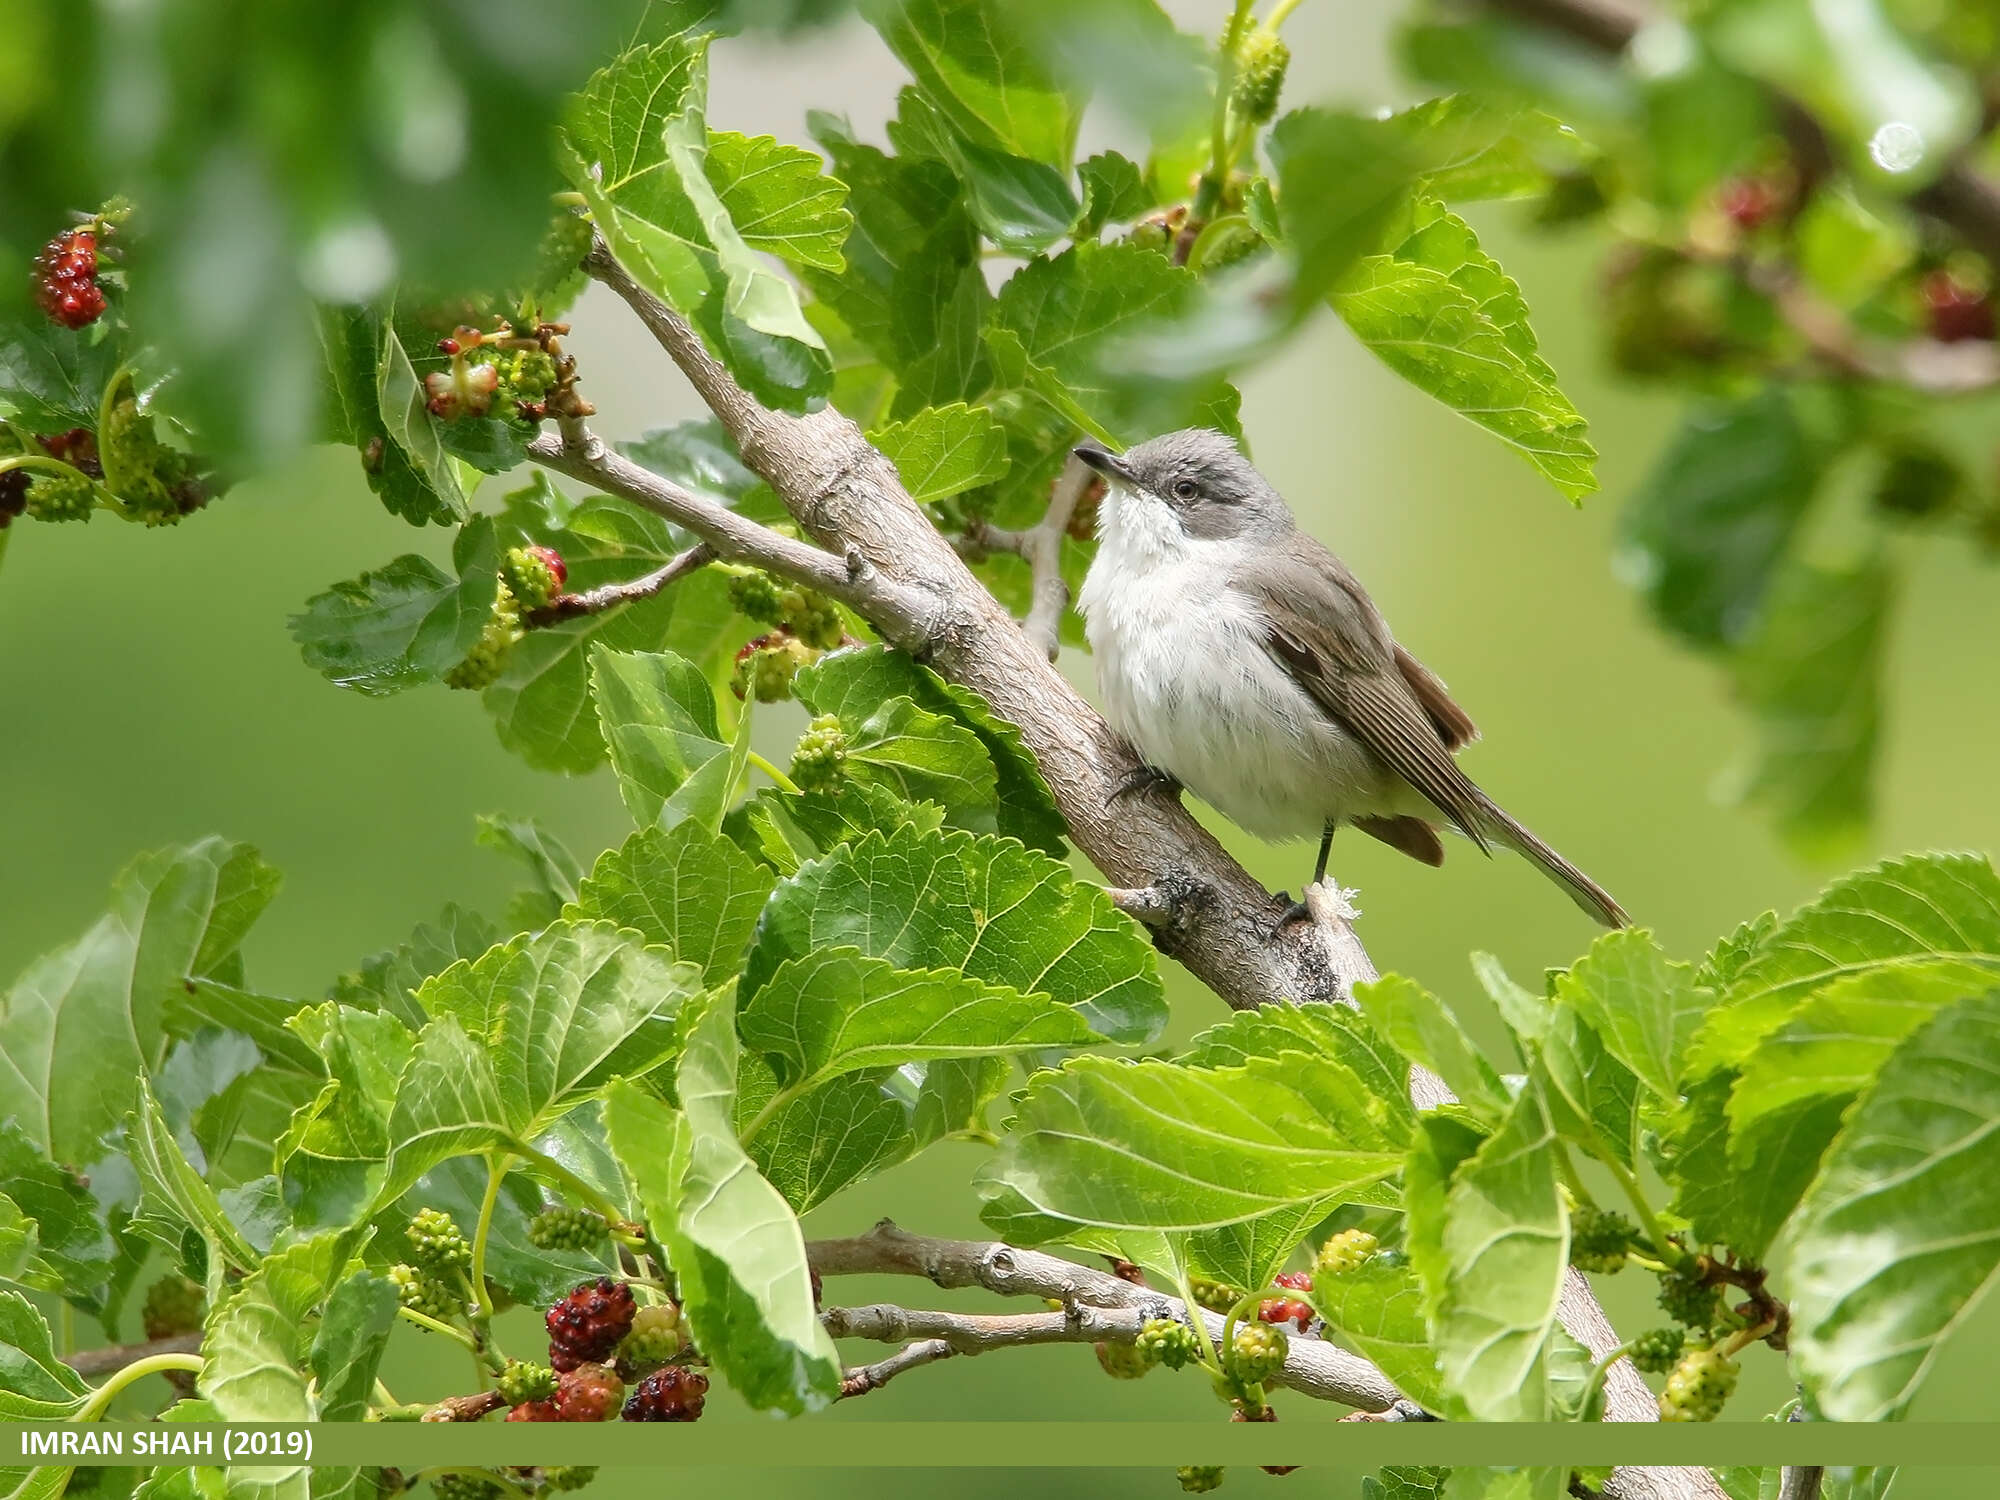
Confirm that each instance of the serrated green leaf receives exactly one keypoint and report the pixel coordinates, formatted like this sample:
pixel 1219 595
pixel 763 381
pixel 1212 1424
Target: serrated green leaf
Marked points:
pixel 81 1025
pixel 944 450
pixel 1491 1244
pixel 70 1233
pixel 778 199
pixel 975 66
pixel 1739 1195
pixel 448 1104
pixel 1377 1310
pixel 557 1014
pixel 414 434
pixel 389 980
pixel 849 1128
pixel 1022 205
pixel 1114 192
pixel 52 378
pixel 35 1386
pixel 552 870
pixel 1491 151
pixel 1331 1031
pixel 351 343
pixel 250 1374
pixel 1900 1234
pixel 921 756
pixel 657 713
pixel 1644 1006
pixel 837 1010
pixel 174 1195
pixel 1593 1097
pixel 1811 678
pixel 1423 1028
pixel 735 1244
pixel 784 831
pixel 1000 912
pixel 1441 313
pixel 1152 1145
pixel 261 1018
pixel 685 888
pixel 347 1349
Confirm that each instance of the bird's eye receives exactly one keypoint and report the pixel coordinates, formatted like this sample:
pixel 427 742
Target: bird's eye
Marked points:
pixel 1186 489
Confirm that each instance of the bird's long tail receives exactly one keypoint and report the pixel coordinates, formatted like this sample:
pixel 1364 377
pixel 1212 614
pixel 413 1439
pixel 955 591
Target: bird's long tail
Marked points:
pixel 1585 892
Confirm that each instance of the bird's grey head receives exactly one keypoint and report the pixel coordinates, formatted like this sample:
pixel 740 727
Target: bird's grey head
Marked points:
pixel 1203 480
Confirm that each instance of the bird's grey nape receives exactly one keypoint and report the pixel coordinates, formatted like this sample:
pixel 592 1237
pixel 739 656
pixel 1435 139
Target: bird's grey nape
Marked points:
pixel 1203 477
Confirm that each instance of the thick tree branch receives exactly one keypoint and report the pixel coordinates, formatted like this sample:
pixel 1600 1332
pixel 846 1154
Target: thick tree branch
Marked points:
pixel 118 1356
pixel 611 595
pixel 1960 197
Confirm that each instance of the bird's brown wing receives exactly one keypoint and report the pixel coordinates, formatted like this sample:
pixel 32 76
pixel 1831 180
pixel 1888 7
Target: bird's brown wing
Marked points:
pixel 1323 628
pixel 1453 723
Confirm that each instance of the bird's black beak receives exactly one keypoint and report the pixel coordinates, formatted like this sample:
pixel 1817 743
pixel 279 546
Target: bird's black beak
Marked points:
pixel 1103 460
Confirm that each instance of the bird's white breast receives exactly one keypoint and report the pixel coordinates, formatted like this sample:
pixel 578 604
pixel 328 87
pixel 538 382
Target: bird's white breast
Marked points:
pixel 1183 674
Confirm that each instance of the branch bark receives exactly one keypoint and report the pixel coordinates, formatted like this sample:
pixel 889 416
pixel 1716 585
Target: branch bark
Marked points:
pixel 118 1356
pixel 611 595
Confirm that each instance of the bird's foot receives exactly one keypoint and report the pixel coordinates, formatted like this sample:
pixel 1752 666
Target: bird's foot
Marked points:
pixel 1145 778
pixel 1295 911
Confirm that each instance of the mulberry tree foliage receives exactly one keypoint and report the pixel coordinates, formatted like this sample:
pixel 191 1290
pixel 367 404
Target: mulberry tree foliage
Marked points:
pixel 612 1100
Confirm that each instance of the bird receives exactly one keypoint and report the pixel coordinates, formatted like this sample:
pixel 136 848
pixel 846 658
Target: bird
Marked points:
pixel 1243 661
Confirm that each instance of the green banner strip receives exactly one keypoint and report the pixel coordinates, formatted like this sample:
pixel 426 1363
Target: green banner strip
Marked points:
pixel 980 1445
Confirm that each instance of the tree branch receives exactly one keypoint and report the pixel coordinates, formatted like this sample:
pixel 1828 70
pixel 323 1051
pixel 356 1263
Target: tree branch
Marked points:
pixel 118 1356
pixel 1960 197
pixel 1801 1483
pixel 611 595
pixel 1041 547
pixel 862 1379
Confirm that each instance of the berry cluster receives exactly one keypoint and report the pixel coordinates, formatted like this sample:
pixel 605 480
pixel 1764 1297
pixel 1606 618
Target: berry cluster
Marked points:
pixel 1699 1387
pixel 558 1228
pixel 765 666
pixel 1289 1309
pixel 1164 1341
pixel 587 1393
pixel 656 1336
pixel 568 1476
pixel 1216 1296
pixel 437 1245
pixel 1658 1350
pixel 487 659
pixel 1256 1353
pixel 1122 1361
pixel 155 482
pixel 820 756
pixel 424 1293
pixel 805 624
pixel 1347 1251
pixel 1600 1241
pixel 1689 1297
pixel 174 1305
pixel 1199 1479
pixel 675 1394
pixel 66 278
pixel 587 1325
pixel 521 1383
pixel 535 574
pixel 519 373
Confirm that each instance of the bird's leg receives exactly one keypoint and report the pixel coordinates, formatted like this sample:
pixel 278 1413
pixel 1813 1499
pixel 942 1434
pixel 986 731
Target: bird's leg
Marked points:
pixel 1144 778
pixel 1296 911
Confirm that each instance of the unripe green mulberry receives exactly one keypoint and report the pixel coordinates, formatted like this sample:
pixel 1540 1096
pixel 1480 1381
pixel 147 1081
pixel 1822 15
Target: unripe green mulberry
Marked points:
pixel 531 576
pixel 1257 1352
pixel 153 481
pixel 1199 1479
pixel 558 1228
pixel 526 376
pixel 487 659
pixel 811 617
pixel 657 1335
pixel 174 1305
pixel 1658 1350
pixel 1261 60
pixel 1235 242
pixel 1347 1251
pixel 424 1294
pixel 765 666
pixel 569 1476
pixel 754 596
pixel 1600 1241
pixel 1122 1361
pixel 522 1382
pixel 1700 1386
pixel 1167 1342
pixel 1216 1296
pixel 1687 1297
pixel 436 1243
pixel 821 754
pixel 464 1487
pixel 61 497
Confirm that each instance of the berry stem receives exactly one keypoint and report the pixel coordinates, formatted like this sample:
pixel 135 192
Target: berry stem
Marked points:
pixel 106 403
pixel 1281 12
pixel 1656 1232
pixel 1210 1360
pixel 139 1369
pixel 1598 1373
pixel 425 1320
pixel 51 465
pixel 497 1164
pixel 584 1192
pixel 783 782
pixel 1743 1338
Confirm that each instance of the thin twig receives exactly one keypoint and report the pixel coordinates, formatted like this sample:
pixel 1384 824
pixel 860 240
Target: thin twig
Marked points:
pixel 862 1379
pixel 1042 546
pixel 611 595
pixel 977 1333
pixel 118 1356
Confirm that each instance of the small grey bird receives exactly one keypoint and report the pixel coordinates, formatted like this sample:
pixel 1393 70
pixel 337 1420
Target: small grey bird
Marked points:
pixel 1243 660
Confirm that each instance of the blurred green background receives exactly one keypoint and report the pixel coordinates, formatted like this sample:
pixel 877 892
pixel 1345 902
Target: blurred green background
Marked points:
pixel 151 694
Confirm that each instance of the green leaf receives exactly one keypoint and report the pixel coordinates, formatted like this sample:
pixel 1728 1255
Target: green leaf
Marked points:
pixel 415 436
pixel 35 1386
pixel 389 980
pixel 922 756
pixel 735 1244
pixel 1902 912
pixel 1490 151
pixel 777 199
pixel 1425 1031
pixel 837 1011
pixel 784 831
pixel 52 378
pixel 351 343
pixel 261 1018
pixel 1152 1145
pixel 1000 912
pixel 1443 315
pixel 1739 1194
pixel 174 1195
pixel 974 65
pixel 250 1373
pixel 1645 1007
pixel 552 870
pixel 407 624
pixel 559 1013
pixel 657 712
pixel 1342 180
pixel 684 888
pixel 448 1104
pixel 1377 1310
pixel 1811 678
pixel 845 1130
pixel 70 1235
pixel 1335 1032
pixel 944 450
pixel 1491 1244
pixel 1704 531
pixel 81 1025
pixel 1114 192
pixel 347 1349
pixel 1593 1098
pixel 1900 1234
pixel 850 682
pixel 1023 206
